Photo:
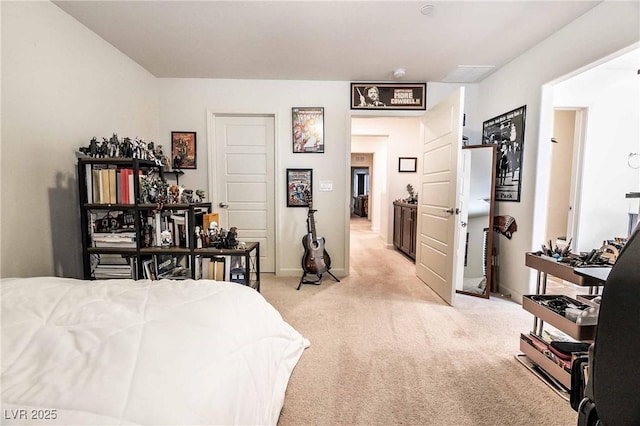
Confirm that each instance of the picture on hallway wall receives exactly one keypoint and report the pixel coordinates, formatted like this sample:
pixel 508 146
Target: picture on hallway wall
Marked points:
pixel 298 181
pixel 398 96
pixel 507 132
pixel 308 129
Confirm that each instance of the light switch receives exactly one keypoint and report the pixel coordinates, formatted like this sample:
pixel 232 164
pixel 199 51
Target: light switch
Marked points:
pixel 326 185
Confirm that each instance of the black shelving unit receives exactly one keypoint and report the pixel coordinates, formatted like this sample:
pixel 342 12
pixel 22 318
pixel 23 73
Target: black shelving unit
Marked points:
pixel 138 209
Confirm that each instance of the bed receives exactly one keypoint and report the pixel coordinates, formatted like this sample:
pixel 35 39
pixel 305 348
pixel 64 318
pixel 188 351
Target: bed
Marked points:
pixel 142 352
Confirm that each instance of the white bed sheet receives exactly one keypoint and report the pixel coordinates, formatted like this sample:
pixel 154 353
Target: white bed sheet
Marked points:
pixel 142 352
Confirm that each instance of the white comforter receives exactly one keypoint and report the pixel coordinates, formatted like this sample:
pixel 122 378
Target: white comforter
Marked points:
pixel 142 352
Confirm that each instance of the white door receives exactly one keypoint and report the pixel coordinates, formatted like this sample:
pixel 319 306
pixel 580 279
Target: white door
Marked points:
pixel 243 158
pixel 438 202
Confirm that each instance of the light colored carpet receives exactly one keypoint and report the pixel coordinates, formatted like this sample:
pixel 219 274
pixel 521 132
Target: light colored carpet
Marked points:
pixel 386 350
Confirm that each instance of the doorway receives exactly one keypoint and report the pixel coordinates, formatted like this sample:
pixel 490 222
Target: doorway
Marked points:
pixel 606 96
pixel 566 166
pixel 361 177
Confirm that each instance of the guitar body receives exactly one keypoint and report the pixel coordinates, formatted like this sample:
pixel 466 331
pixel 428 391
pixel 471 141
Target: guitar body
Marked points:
pixel 315 260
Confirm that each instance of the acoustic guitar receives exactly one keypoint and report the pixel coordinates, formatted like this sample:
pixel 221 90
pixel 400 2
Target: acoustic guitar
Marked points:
pixel 315 260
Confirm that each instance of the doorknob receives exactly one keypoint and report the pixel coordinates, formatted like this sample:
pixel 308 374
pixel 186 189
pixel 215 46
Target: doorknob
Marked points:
pixel 223 205
pixel 463 224
pixel 452 211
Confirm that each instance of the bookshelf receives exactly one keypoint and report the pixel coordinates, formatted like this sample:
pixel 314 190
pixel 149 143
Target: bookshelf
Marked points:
pixel 127 226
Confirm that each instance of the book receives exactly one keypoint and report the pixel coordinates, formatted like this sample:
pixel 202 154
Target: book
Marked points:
pixel 97 185
pixel 113 196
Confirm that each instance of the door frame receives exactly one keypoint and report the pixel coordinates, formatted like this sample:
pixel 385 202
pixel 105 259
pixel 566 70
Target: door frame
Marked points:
pixel 211 159
pixel 347 182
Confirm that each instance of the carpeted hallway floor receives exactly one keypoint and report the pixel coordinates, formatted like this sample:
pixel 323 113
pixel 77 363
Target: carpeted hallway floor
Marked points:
pixel 386 350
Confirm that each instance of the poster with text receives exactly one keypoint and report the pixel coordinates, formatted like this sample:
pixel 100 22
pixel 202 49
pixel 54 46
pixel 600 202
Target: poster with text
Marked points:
pixel 507 132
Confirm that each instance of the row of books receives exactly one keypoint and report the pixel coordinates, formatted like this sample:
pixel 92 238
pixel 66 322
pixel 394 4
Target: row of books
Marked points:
pixel 110 185
pixel 113 239
pixel 113 266
pixel 169 266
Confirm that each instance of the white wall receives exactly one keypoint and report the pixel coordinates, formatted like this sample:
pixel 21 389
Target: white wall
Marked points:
pixel 607 28
pixel 612 98
pixel 183 106
pixel 62 85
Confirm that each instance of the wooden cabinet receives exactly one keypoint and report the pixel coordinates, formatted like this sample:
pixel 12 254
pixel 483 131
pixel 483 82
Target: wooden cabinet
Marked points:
pixel 405 217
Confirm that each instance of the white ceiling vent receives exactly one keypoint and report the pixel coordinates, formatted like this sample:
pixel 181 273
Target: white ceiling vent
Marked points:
pixel 468 73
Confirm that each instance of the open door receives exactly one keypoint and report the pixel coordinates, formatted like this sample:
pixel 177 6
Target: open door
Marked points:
pixel 439 201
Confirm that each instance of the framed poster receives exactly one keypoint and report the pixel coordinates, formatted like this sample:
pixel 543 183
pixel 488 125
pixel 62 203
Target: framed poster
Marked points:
pixel 183 150
pixel 507 132
pixel 298 181
pixel 407 164
pixel 390 96
pixel 308 129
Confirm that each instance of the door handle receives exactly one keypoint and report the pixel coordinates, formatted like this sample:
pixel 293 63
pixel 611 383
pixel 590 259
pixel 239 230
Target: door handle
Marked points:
pixel 452 211
pixel 223 205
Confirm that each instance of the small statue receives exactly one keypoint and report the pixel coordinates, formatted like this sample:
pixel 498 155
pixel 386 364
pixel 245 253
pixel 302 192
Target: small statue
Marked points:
pixel 200 195
pixel 174 194
pixel 187 196
pixel 231 240
pixel 198 237
pixel 413 196
pixel 166 238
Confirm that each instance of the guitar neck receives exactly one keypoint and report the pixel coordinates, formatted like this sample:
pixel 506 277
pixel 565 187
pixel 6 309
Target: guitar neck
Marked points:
pixel 312 225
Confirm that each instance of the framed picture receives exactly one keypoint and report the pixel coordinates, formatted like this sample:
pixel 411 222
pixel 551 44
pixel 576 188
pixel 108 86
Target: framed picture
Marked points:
pixel 183 150
pixel 298 181
pixel 407 164
pixel 308 129
pixel 390 96
pixel 507 132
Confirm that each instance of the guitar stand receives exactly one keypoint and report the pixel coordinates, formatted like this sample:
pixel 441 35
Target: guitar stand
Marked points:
pixel 305 280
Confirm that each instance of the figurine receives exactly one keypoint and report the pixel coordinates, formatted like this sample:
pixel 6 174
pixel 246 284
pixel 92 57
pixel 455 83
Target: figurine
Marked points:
pixel 231 241
pixel 174 194
pixel 200 195
pixel 187 196
pixel 166 238
pixel 198 237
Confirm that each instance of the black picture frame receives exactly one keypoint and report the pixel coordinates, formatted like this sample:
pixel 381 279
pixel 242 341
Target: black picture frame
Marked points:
pixel 183 150
pixel 307 130
pixel 389 96
pixel 506 131
pixel 407 164
pixel 299 181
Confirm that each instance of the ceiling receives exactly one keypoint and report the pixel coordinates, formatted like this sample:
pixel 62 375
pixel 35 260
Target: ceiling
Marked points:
pixel 323 40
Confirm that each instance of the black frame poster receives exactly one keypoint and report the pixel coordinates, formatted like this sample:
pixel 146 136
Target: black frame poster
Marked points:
pixel 389 96
pixel 507 132
pixel 308 129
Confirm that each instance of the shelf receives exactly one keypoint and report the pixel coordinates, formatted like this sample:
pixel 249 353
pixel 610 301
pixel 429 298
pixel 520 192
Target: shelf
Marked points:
pixel 547 364
pixel 130 251
pixel 144 206
pixel 164 250
pixel 559 270
pixel 578 332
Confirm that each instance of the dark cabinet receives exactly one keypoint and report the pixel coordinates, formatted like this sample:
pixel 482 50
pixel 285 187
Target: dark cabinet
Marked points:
pixel 405 218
